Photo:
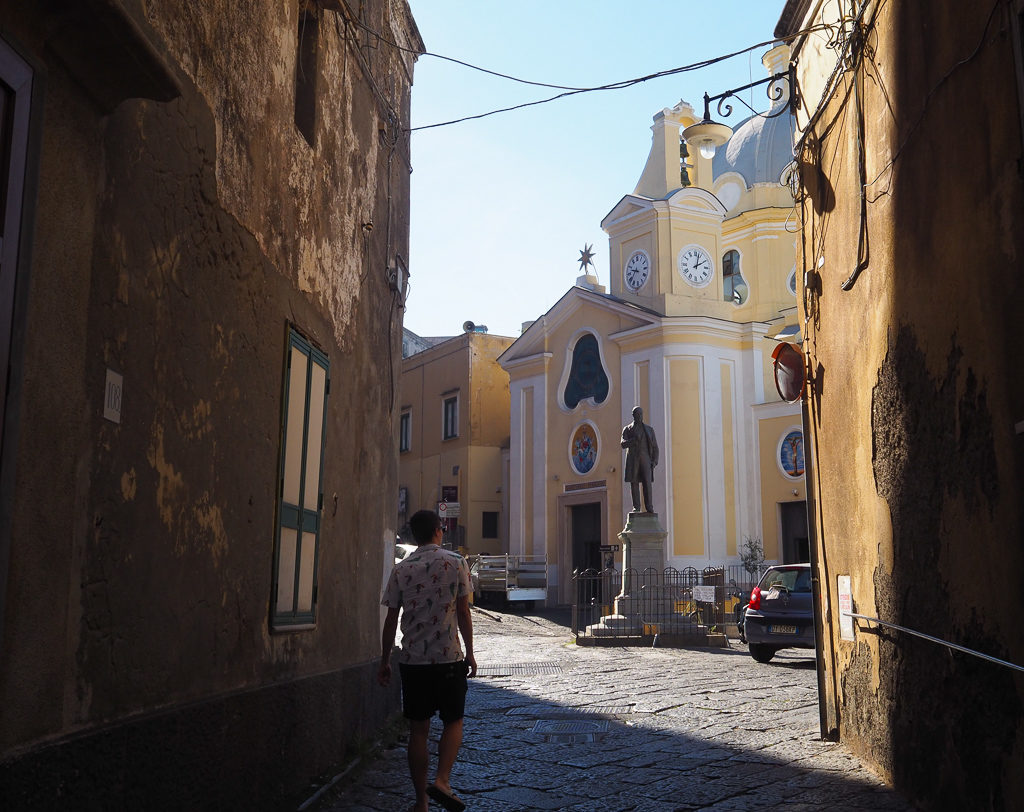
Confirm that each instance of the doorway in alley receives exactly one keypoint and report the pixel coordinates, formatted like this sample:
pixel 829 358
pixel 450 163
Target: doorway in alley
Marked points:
pixel 795 547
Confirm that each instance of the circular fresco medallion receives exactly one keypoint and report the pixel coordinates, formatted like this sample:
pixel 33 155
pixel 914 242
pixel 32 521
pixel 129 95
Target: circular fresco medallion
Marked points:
pixel 583 449
pixel 791 454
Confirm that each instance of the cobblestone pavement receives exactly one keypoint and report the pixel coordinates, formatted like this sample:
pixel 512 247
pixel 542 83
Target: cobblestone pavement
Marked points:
pixel 552 725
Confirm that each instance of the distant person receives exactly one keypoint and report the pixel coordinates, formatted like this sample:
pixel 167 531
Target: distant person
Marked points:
pixel 641 458
pixel 431 587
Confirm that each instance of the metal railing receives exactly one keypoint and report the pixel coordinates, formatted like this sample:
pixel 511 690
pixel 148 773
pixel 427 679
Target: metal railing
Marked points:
pixel 668 601
pixel 940 642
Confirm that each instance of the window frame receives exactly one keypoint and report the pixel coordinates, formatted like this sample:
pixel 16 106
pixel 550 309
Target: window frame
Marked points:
pixel 303 515
pixel 18 76
pixel 405 431
pixel 307 66
pixel 450 416
pixel 730 277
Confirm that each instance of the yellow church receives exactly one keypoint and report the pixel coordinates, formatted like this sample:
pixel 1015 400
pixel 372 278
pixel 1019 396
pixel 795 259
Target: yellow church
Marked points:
pixel 702 287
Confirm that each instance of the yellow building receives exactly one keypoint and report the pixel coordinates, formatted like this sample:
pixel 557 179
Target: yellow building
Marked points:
pixel 702 277
pixel 453 427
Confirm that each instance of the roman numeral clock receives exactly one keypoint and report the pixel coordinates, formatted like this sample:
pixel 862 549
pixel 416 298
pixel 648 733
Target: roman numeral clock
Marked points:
pixel 636 270
pixel 695 266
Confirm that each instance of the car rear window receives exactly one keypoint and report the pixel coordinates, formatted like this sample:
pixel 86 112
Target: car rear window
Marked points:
pixel 797 579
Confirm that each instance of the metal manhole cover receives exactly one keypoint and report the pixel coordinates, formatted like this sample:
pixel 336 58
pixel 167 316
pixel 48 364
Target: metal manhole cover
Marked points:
pixel 575 731
pixel 553 727
pixel 518 669
pixel 574 711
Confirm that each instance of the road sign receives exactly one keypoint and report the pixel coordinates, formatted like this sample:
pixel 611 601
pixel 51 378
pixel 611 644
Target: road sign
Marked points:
pixel 609 548
pixel 448 510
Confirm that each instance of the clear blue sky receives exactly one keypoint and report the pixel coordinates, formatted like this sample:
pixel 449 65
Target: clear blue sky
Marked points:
pixel 502 206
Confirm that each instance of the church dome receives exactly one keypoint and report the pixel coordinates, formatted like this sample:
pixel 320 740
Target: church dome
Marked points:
pixel 760 148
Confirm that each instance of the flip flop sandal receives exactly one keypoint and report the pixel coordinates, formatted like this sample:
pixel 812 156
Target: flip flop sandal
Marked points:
pixel 446 799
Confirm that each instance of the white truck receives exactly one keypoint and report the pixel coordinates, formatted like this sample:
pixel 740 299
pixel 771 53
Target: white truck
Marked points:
pixel 508 578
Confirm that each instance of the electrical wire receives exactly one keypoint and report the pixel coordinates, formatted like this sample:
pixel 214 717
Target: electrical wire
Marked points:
pixel 840 68
pixel 924 107
pixel 620 85
pixel 569 90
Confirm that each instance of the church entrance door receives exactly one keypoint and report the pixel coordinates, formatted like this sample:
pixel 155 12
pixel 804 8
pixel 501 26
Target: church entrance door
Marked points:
pixel 586 536
pixel 795 546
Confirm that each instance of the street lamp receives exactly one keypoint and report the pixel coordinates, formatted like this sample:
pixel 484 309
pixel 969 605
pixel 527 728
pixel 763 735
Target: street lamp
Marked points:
pixel 708 135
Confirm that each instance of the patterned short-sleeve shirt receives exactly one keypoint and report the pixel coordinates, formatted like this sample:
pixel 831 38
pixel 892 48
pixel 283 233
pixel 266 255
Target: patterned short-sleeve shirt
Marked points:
pixel 425 586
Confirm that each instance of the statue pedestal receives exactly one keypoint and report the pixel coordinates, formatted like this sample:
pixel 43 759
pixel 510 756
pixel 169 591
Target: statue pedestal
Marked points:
pixel 643 541
pixel 647 609
pixel 643 547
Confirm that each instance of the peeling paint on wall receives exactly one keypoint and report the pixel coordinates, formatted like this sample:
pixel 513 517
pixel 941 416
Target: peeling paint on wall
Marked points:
pixel 170 488
pixel 935 465
pixel 129 486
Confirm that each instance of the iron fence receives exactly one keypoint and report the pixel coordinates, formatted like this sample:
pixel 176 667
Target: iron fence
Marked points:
pixel 655 602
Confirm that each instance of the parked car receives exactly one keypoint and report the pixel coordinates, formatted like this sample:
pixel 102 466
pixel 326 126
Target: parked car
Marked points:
pixel 402 550
pixel 780 612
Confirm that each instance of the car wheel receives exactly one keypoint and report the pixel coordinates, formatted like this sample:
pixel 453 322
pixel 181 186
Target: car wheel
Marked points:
pixel 761 653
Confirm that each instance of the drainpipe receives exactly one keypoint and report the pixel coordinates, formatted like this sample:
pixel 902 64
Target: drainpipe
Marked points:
pixel 827 731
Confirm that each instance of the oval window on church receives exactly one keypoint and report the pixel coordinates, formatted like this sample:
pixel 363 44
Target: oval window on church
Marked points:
pixel 583 448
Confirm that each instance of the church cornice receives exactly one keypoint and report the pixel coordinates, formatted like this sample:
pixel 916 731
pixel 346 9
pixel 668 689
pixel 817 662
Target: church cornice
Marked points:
pixel 740 228
pixel 533 342
pixel 693 329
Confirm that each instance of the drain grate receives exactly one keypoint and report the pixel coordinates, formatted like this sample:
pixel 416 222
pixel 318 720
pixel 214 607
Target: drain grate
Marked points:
pixel 571 731
pixel 559 726
pixel 574 711
pixel 518 670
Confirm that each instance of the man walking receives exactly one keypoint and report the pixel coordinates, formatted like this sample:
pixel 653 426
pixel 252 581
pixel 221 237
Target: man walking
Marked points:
pixel 431 587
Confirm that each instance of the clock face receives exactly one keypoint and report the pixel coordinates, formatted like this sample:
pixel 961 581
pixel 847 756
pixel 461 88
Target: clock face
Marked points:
pixel 637 269
pixel 695 265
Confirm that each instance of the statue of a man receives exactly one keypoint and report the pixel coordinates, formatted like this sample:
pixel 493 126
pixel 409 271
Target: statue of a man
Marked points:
pixel 641 458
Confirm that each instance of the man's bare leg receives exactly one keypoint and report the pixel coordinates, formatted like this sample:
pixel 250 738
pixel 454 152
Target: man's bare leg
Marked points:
pixel 419 760
pixel 447 750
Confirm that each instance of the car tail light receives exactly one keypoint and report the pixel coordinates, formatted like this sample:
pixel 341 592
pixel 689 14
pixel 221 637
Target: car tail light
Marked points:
pixel 755 598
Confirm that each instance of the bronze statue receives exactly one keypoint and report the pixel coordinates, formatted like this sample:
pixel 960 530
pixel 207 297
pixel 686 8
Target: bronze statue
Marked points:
pixel 641 458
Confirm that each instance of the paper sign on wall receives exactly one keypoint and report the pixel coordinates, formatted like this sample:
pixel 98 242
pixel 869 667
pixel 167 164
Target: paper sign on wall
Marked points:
pixel 704 594
pixel 845 606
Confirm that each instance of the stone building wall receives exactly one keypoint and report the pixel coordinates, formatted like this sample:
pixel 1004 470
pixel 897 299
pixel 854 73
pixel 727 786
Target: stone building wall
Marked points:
pixel 181 224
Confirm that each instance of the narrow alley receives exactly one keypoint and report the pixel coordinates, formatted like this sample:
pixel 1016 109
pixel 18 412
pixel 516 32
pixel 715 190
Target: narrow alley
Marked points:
pixel 550 725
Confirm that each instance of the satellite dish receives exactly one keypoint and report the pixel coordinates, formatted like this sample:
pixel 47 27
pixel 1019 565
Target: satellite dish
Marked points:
pixel 468 326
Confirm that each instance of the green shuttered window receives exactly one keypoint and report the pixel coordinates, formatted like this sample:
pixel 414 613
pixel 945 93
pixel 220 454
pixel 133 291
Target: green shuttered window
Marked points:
pixel 306 386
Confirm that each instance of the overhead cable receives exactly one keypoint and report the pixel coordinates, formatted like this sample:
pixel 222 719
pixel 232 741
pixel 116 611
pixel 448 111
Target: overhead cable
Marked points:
pixel 569 90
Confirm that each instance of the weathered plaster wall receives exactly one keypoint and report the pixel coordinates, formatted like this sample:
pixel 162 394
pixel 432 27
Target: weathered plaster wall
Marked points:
pixel 296 203
pixel 175 242
pixel 917 468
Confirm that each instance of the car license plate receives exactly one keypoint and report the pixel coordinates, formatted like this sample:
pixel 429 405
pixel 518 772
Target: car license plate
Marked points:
pixel 782 629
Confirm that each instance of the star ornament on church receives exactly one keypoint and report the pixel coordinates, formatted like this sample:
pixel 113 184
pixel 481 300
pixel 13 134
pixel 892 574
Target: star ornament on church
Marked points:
pixel 586 257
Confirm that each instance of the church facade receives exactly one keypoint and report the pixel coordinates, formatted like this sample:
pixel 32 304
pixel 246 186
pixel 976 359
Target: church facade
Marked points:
pixel 702 278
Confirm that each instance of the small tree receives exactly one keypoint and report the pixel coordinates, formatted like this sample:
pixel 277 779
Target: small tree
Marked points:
pixel 752 555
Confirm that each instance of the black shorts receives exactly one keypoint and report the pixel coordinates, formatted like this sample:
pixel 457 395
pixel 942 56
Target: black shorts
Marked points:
pixel 439 688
